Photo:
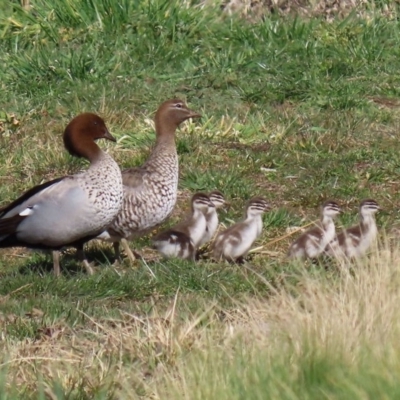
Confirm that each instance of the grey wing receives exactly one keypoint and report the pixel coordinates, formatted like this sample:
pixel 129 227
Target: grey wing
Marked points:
pixel 315 238
pixel 354 234
pixel 26 203
pixel 60 213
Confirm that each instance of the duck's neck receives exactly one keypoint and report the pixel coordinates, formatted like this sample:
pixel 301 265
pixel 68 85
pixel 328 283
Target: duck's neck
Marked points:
pixel 254 222
pixel 196 227
pixel 251 218
pixel 90 150
pixel 367 222
pixel 196 214
pixel 211 214
pixel 248 215
pixel 165 131
pixel 165 142
pixel 326 222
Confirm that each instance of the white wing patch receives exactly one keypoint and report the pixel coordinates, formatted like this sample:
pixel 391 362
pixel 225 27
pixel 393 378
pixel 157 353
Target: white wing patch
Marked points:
pixel 26 212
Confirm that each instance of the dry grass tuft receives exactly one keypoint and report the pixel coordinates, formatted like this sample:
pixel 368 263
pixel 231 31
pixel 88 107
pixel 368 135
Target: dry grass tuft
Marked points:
pixel 135 354
pixel 328 9
pixel 345 319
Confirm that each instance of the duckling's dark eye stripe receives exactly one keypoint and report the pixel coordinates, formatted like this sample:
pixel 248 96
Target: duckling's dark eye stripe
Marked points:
pixel 259 206
pixel 370 205
pixel 203 201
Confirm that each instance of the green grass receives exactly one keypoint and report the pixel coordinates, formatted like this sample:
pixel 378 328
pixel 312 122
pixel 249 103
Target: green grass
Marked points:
pixel 296 110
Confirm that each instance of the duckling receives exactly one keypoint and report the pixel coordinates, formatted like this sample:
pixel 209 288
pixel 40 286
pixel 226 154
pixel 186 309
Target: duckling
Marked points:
pixel 355 241
pixel 312 243
pixel 218 199
pixel 174 244
pixel 235 242
pixel 183 239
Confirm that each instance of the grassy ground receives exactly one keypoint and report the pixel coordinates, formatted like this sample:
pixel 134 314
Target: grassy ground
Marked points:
pixel 295 110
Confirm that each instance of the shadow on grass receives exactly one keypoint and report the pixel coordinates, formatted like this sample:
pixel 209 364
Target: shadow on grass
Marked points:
pixel 42 262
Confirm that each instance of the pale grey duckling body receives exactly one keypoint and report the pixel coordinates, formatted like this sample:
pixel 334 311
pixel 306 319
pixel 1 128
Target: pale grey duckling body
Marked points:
pixel 235 242
pixel 312 243
pixel 150 191
pixel 212 220
pixel 182 240
pixel 71 210
pixel 355 241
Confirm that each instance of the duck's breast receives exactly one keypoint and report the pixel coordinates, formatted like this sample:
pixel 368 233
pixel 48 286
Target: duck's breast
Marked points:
pixel 146 208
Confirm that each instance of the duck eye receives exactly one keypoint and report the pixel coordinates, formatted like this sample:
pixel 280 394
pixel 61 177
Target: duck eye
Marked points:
pixel 178 105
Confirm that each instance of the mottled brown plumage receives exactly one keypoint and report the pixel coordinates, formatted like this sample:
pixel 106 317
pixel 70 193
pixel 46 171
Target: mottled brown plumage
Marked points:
pixel 150 191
